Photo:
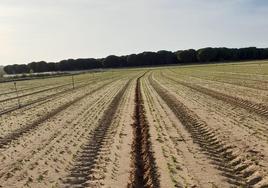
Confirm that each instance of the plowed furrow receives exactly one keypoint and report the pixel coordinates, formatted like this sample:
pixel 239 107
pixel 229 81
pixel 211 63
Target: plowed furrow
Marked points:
pixel 43 99
pixel 45 147
pixel 27 89
pixel 144 171
pixel 31 102
pixel 85 163
pixel 238 76
pixel 259 109
pixel 33 93
pixel 4 141
pixel 226 81
pixel 238 170
pixel 260 130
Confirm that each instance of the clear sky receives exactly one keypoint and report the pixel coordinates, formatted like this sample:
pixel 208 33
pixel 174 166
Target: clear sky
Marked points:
pixel 52 30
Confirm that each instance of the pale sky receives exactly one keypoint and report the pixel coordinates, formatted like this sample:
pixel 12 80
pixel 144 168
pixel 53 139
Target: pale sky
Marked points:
pixel 52 30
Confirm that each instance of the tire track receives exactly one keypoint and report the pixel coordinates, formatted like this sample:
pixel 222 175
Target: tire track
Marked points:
pixel 85 162
pixel 259 130
pixel 259 109
pixel 238 170
pixel 6 140
pixel 69 129
pixel 170 139
pixel 119 154
pixel 144 170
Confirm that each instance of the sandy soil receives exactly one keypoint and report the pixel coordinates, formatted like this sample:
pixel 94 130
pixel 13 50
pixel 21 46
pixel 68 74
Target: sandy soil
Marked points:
pixel 246 131
pixel 142 128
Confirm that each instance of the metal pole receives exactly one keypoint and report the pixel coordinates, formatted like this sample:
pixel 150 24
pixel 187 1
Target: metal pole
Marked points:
pixel 15 85
pixel 73 80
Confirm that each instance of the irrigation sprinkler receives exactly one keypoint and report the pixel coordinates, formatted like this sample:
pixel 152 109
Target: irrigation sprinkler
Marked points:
pixel 73 81
pixel 17 94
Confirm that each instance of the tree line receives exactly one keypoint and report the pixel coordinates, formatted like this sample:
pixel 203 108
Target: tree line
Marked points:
pixel 162 57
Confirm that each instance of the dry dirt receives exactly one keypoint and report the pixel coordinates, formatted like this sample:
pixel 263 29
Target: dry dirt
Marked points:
pixel 138 128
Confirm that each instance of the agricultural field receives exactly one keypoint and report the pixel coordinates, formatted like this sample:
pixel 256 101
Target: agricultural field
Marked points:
pixel 175 126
